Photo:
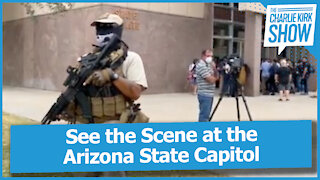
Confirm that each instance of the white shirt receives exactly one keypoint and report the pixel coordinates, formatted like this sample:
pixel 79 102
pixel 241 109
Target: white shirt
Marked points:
pixel 133 69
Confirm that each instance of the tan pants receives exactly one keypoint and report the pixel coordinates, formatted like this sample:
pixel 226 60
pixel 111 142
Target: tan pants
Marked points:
pixel 101 174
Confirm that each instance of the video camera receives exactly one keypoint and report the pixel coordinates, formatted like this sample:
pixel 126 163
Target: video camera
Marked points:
pixel 233 64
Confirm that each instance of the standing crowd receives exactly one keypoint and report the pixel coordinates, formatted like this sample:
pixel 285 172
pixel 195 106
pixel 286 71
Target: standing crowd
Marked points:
pixel 285 77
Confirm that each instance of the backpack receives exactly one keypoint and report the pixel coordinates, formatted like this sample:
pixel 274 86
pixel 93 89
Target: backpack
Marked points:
pixel 192 73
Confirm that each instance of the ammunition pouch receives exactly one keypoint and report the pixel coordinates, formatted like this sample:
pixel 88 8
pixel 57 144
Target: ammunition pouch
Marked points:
pixel 106 109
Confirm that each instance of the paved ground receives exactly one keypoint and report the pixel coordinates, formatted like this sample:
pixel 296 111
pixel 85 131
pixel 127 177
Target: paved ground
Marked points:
pixel 177 107
pixel 183 107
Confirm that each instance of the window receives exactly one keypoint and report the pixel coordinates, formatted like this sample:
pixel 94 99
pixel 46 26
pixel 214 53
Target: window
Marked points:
pixel 223 4
pixel 221 29
pixel 220 47
pixel 222 13
pixel 239 16
pixel 238 31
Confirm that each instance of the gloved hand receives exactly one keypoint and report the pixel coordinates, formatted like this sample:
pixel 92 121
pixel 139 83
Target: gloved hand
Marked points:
pixel 99 78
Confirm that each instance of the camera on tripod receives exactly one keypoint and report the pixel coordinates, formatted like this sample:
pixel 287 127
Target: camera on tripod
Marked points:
pixel 237 71
pixel 234 65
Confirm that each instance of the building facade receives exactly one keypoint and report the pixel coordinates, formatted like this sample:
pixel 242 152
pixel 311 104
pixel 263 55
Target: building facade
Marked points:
pixel 168 36
pixel 37 50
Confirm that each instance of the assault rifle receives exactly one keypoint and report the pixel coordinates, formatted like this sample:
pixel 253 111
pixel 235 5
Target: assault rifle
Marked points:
pixel 107 58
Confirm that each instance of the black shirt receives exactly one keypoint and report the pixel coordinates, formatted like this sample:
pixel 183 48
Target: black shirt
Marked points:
pixel 283 75
pixel 302 66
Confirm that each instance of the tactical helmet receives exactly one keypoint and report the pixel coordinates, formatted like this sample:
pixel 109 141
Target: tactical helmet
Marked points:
pixel 108 23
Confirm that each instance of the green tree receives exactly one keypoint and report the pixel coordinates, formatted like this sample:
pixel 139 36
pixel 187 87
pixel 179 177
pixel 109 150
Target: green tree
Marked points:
pixel 53 7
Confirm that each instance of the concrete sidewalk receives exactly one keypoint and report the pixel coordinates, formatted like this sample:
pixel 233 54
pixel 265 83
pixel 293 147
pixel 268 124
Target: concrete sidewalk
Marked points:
pixel 177 107
pixel 183 107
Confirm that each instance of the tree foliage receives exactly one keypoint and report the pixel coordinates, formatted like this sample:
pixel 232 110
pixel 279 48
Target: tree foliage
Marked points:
pixel 53 7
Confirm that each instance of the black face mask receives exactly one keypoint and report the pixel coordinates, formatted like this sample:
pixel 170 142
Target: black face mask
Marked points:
pixel 104 29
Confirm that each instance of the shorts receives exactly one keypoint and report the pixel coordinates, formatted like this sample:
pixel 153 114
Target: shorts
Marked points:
pixel 283 87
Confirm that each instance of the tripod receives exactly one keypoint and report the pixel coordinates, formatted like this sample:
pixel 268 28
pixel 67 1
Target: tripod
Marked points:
pixel 236 94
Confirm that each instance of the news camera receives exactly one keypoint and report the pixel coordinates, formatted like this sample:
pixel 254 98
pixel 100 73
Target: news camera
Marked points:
pixel 233 64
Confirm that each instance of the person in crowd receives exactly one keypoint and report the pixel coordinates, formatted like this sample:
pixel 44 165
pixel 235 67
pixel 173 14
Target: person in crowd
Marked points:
pixel 192 76
pixel 283 78
pixel 205 82
pixel 272 71
pixel 296 77
pixel 265 75
pixel 217 71
pixel 226 76
pixel 305 70
pixel 290 66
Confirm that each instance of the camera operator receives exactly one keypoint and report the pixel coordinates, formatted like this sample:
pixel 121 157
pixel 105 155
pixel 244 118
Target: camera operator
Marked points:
pixel 205 81
pixel 231 68
pixel 225 71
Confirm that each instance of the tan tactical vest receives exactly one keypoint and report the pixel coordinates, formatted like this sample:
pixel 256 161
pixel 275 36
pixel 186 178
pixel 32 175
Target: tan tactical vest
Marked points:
pixel 108 108
pixel 104 108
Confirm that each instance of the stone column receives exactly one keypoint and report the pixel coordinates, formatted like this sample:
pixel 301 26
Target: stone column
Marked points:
pixel 252 51
pixel 273 53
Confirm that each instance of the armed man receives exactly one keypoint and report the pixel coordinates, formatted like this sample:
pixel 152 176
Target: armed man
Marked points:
pixel 104 84
pixel 122 86
pixel 108 92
